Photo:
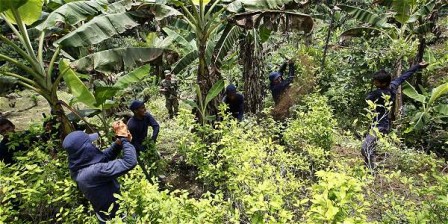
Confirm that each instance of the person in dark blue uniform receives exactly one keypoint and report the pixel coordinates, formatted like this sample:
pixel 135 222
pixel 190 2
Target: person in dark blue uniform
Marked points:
pixel 385 89
pixel 278 85
pixel 96 171
pixel 235 102
pixel 139 123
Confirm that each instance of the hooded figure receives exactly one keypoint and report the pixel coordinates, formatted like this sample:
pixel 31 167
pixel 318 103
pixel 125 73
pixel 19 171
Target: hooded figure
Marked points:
pixel 234 101
pixel 96 171
pixel 277 84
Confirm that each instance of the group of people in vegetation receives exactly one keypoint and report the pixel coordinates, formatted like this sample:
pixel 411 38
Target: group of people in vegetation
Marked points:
pixel 96 171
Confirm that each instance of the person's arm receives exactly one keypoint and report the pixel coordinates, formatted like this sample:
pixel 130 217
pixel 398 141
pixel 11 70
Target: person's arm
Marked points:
pixel 282 68
pixel 155 127
pixel 240 109
pixel 224 99
pixel 113 151
pixel 118 167
pixel 398 81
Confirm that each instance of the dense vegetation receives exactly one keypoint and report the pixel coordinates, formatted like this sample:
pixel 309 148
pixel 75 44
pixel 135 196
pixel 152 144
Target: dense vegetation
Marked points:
pixel 299 162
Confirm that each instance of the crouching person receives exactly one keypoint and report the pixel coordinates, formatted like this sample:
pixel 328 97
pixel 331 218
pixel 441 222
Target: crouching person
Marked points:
pixel 96 171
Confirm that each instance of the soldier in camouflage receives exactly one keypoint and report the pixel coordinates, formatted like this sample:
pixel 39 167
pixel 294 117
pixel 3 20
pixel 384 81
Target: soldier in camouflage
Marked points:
pixel 169 88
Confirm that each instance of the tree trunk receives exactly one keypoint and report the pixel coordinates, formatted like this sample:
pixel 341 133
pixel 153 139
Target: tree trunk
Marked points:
pixel 399 97
pixel 252 74
pixel 205 80
pixel 418 59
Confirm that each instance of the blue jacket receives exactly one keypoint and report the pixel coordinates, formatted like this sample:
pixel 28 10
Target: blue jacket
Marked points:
pixel 277 90
pixel 382 119
pixel 139 130
pixel 236 106
pixel 96 172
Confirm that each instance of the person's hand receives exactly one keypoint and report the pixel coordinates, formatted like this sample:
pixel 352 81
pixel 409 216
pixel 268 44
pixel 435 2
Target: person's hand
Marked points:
pixel 121 130
pixel 423 64
pixel 290 61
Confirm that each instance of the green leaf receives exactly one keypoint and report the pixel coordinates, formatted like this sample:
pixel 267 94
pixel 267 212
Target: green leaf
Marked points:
pixel 175 37
pixel 163 11
pixel 117 59
pixel 438 92
pixel 442 109
pixel 411 92
pixel 103 93
pixel 133 77
pixel 71 13
pixel 29 12
pixel 192 103
pixel 98 29
pixel 214 91
pixel 11 4
pixel 255 5
pixel 229 37
pixel 185 61
pixel 76 86
pixel 366 16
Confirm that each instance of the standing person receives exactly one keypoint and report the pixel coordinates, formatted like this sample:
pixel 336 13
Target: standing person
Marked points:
pixel 96 171
pixel 235 102
pixel 169 88
pixel 278 85
pixel 139 123
pixel 385 87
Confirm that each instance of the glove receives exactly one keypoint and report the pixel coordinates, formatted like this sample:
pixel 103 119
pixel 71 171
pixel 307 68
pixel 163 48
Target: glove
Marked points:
pixel 121 130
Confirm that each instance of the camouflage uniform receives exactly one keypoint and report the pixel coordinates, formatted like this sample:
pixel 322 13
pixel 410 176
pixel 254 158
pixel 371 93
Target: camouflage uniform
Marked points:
pixel 171 103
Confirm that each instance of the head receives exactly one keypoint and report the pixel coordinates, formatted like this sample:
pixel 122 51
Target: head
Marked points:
pixel 231 91
pixel 382 79
pixel 275 78
pixel 6 127
pixel 81 150
pixel 138 108
pixel 167 74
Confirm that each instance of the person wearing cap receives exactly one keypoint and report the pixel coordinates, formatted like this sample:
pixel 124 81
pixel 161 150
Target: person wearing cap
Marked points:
pixel 96 171
pixel 139 123
pixel 7 150
pixel 278 85
pixel 169 88
pixel 234 101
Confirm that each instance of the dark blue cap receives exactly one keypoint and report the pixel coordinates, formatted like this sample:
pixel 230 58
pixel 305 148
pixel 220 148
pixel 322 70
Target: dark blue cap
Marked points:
pixel 136 104
pixel 231 89
pixel 273 76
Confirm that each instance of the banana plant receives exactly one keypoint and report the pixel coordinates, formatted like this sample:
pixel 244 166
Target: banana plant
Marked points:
pixel 77 24
pixel 431 108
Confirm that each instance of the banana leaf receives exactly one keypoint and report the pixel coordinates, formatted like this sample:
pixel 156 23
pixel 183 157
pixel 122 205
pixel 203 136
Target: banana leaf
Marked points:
pixel 72 13
pixel 98 29
pixel 117 59
pixel 76 86
pixel 29 10
pixel 133 77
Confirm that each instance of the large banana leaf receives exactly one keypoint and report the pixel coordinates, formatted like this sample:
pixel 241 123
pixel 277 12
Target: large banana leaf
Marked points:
pixel 227 41
pixel 437 93
pixel 133 77
pixel 98 29
pixel 76 86
pixel 411 92
pixel 214 91
pixel 117 59
pixel 161 11
pixel 104 93
pixel 29 10
pixel 185 61
pixel 119 7
pixel 180 39
pixel 366 16
pixel 72 13
pixel 274 20
pixel 442 109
